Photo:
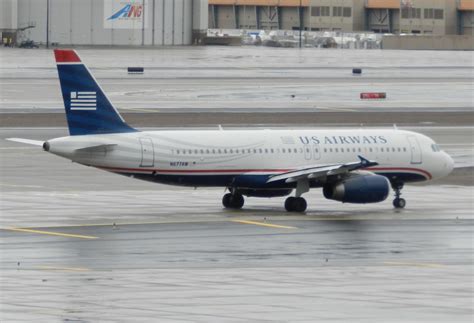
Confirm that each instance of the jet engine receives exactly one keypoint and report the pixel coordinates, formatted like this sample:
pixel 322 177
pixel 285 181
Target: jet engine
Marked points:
pixel 358 189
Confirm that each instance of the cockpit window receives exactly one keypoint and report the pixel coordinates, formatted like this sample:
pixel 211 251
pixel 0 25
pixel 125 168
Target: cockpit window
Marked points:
pixel 435 148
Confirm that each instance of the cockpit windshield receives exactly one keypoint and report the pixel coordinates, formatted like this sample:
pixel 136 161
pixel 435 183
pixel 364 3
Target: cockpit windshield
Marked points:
pixel 435 148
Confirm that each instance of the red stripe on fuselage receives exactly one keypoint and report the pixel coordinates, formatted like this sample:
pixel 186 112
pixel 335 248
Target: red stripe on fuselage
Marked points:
pixel 194 171
pixel 241 171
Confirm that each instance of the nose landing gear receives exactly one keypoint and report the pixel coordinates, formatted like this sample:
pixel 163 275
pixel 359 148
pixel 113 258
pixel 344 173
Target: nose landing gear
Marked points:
pixel 398 202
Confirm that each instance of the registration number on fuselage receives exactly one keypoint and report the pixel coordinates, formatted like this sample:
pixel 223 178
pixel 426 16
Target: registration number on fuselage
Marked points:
pixel 179 164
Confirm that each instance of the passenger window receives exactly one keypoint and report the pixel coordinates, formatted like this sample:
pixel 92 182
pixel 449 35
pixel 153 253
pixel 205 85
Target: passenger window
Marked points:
pixel 295 150
pixel 399 149
pixel 330 150
pixel 404 149
pixel 283 150
pixel 325 150
pixel 336 150
pixel 271 150
pixel 370 149
pixel 360 149
pixel 393 149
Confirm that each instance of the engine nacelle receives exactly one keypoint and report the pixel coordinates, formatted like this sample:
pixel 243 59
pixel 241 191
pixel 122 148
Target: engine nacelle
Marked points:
pixel 359 189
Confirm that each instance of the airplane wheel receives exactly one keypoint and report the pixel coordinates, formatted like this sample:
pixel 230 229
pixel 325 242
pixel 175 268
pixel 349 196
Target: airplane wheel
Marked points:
pixel 289 204
pixel 226 200
pixel 233 201
pixel 399 203
pixel 295 204
pixel 237 201
pixel 300 205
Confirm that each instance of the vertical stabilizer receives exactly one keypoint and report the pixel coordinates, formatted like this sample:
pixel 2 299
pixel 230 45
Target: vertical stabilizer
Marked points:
pixel 88 110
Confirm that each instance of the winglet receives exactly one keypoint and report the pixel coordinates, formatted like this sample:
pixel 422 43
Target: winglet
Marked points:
pixel 366 163
pixel 363 160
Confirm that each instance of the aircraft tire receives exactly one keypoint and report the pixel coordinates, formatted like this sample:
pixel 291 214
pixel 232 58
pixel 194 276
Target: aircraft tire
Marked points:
pixel 295 204
pixel 300 205
pixel 289 204
pixel 237 201
pixel 399 203
pixel 226 200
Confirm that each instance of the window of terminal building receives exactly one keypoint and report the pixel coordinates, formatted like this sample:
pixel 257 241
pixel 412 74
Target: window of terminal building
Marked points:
pixel 337 11
pixel 315 11
pixel 320 11
pixel 347 12
pixel 428 13
pixel 408 13
pixel 325 11
pixel 438 14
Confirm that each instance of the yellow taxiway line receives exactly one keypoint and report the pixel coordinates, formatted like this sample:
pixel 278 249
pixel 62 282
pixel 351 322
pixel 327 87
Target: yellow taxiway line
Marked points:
pixel 68 235
pixel 263 224
pixel 412 264
pixel 62 268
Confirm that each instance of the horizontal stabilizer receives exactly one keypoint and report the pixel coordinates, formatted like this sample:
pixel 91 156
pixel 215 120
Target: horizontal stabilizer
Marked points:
pixel 27 141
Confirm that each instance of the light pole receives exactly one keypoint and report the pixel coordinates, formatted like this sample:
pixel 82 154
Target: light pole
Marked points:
pixel 47 23
pixel 301 20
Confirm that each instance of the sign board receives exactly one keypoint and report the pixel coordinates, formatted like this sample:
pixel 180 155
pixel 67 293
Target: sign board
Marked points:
pixel 125 14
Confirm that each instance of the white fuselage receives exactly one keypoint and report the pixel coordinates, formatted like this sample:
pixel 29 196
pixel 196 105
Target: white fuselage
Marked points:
pixel 174 157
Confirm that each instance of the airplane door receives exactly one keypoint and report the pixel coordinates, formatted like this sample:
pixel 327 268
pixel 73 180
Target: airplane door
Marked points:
pixel 316 152
pixel 415 150
pixel 148 154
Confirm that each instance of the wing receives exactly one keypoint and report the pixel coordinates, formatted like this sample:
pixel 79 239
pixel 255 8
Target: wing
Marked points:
pixel 27 141
pixel 321 171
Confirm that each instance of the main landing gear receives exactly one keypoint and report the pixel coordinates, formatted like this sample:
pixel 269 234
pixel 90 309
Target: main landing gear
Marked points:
pixel 233 201
pixel 295 204
pixel 398 202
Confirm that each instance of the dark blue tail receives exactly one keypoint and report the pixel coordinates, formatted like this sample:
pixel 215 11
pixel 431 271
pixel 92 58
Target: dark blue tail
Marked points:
pixel 88 110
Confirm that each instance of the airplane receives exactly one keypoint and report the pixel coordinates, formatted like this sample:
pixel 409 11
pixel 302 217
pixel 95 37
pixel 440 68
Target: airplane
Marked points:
pixel 350 165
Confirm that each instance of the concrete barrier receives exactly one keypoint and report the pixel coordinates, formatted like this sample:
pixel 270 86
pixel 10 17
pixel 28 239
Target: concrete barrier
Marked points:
pixel 428 42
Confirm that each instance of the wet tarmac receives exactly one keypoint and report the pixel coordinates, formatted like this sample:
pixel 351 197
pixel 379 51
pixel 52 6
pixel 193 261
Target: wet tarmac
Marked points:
pixel 248 78
pixel 82 245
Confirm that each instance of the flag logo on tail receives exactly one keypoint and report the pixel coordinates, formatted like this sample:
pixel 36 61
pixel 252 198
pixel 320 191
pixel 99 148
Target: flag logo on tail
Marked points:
pixel 84 101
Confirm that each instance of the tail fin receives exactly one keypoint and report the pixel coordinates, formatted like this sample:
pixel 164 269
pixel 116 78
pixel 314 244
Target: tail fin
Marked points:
pixel 88 110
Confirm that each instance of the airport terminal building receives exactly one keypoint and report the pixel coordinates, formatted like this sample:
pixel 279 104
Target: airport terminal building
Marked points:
pixel 433 17
pixel 104 22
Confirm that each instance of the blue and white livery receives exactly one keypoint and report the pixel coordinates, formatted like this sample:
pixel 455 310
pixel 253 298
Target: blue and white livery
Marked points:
pixel 350 165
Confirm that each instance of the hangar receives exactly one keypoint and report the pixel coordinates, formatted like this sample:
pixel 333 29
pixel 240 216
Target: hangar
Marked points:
pixel 104 22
